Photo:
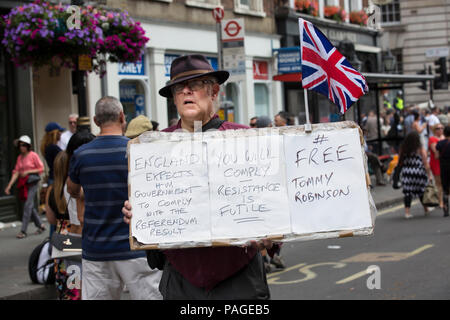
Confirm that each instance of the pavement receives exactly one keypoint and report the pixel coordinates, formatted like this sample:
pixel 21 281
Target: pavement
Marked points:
pixel 15 283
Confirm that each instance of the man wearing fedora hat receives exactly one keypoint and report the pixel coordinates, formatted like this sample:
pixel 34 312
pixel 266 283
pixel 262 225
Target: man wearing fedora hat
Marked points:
pixel 211 272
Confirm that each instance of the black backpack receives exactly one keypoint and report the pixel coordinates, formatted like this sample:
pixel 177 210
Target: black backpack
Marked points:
pixel 41 265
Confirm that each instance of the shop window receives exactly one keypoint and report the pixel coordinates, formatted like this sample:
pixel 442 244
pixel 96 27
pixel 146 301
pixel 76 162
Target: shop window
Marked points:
pixel 249 7
pixel 261 100
pixel 355 5
pixel 232 96
pixel 132 97
pixel 390 13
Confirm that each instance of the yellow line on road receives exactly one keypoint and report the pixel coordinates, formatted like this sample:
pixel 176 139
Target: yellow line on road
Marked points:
pixel 405 254
pixel 395 208
pixel 353 277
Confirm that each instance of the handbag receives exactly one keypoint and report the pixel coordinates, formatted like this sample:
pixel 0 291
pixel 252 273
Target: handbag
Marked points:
pixel 65 245
pixel 33 178
pixel 430 196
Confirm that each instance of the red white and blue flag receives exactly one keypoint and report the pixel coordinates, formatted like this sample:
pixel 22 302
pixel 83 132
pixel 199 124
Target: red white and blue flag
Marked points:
pixel 326 71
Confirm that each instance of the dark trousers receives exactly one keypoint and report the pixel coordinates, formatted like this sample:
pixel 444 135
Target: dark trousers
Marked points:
pixel 247 284
pixel 408 199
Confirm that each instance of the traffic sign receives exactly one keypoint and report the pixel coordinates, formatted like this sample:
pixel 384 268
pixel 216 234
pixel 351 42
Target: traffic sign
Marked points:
pixel 233 48
pixel 218 14
pixel 233 30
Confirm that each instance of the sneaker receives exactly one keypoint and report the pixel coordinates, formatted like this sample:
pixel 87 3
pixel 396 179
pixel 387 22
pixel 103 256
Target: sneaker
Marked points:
pixel 277 262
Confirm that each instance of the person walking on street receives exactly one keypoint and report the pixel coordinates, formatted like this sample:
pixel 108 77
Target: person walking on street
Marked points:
pixel 49 146
pixel 137 126
pixel 281 119
pixel 67 134
pixel 208 272
pixel 100 169
pixel 443 147
pixel 438 135
pixel 27 171
pixel 415 171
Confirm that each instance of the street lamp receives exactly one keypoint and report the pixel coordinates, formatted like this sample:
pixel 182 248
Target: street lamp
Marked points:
pixel 389 61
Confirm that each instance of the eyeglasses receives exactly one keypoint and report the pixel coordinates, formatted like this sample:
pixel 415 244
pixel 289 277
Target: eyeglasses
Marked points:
pixel 193 85
pixel 440 128
pixel 23 145
pixel 72 122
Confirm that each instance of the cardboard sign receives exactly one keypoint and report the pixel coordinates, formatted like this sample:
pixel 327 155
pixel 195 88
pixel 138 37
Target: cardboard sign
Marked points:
pixel 169 192
pixel 325 174
pixel 229 187
pixel 247 192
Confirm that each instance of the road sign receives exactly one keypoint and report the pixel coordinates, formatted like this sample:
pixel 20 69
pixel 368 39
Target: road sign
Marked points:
pixel 233 30
pixel 233 48
pixel 437 52
pixel 218 14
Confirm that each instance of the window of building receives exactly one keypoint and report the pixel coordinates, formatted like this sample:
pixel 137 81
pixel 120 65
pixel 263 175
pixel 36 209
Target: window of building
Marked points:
pixel 397 53
pixel 390 13
pixel 355 5
pixel 132 97
pixel 209 4
pixel 250 7
pixel 332 2
pixel 232 97
pixel 261 100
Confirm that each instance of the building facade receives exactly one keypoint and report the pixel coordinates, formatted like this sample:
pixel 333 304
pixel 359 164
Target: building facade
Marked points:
pixel 178 27
pixel 417 33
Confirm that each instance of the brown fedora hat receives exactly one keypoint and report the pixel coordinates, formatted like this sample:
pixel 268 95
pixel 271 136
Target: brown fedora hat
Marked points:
pixel 190 67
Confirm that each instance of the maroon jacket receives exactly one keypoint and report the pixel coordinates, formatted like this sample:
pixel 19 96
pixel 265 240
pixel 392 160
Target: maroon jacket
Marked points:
pixel 206 267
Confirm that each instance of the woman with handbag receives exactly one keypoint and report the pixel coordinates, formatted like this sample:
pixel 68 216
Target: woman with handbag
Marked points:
pixel 438 135
pixel 27 171
pixel 415 171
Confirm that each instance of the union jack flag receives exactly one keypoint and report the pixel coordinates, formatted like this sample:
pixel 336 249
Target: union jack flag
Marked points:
pixel 326 70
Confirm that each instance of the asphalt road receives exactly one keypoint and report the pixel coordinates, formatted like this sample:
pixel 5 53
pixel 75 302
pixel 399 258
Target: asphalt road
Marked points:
pixel 410 260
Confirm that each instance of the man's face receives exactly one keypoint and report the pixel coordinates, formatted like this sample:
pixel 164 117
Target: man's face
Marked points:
pixel 279 121
pixel 73 124
pixel 194 99
pixel 253 123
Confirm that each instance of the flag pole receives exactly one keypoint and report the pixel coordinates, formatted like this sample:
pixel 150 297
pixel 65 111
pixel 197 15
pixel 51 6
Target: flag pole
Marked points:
pixel 308 127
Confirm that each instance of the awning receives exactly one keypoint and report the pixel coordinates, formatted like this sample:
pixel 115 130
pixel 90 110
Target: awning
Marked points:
pixel 370 77
pixel 288 77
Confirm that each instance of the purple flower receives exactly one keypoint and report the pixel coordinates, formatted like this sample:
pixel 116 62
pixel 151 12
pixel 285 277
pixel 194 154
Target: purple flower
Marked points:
pixel 43 32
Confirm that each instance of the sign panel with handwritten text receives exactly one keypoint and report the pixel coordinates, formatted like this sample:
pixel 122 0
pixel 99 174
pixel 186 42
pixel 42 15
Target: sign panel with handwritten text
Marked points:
pixel 326 185
pixel 247 187
pixel 169 192
pixel 229 187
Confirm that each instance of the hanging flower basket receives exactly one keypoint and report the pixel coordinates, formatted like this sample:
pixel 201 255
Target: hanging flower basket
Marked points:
pixel 37 34
pixel 335 13
pixel 310 7
pixel 359 17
